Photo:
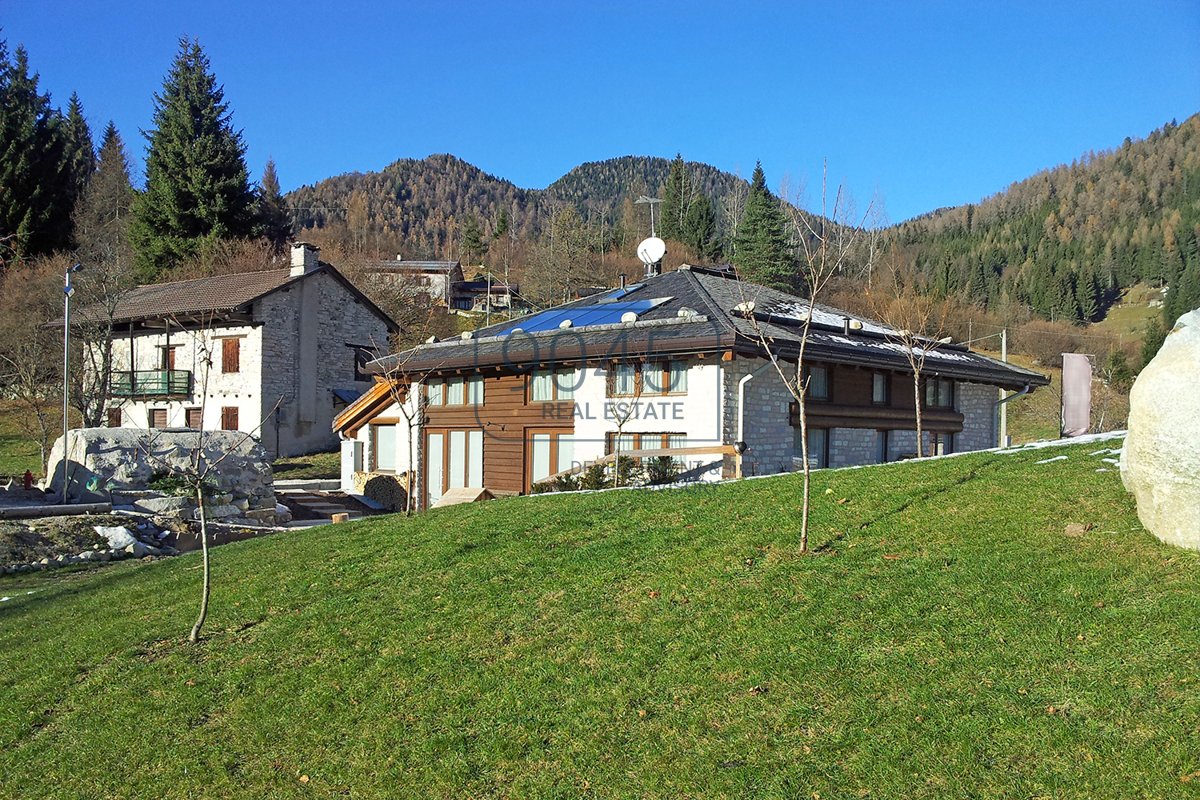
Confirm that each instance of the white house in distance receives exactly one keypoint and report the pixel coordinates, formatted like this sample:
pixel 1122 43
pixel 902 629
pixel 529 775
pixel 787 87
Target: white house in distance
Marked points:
pixel 276 353
pixel 675 362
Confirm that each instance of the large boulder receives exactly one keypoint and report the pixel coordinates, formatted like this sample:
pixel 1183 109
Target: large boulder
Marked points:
pixel 1160 462
pixel 107 460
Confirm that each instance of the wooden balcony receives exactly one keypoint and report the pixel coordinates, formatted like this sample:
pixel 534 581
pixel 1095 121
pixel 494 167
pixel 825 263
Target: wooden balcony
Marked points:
pixel 151 383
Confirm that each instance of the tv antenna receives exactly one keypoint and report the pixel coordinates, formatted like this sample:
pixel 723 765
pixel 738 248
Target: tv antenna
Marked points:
pixel 650 201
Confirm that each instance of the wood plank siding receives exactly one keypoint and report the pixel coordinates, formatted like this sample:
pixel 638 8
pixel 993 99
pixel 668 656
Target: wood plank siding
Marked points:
pixel 507 422
pixel 850 404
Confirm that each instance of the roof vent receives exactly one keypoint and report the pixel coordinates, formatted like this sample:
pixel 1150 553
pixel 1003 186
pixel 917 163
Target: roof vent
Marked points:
pixel 856 325
pixel 687 311
pixel 846 326
pixel 744 307
pixel 467 334
pixel 431 340
pixel 566 323
pixel 629 317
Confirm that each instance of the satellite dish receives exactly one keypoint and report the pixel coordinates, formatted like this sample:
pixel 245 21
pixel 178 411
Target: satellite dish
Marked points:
pixel 652 250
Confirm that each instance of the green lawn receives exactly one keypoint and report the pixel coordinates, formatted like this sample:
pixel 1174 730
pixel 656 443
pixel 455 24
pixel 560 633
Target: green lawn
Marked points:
pixel 18 452
pixel 315 465
pixel 950 638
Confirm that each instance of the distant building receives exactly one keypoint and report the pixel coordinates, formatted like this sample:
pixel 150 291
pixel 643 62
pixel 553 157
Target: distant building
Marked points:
pixel 437 278
pixel 276 353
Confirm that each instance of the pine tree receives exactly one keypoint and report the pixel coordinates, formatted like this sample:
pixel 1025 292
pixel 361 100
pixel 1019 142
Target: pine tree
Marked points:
pixel 760 246
pixel 35 194
pixel 700 229
pixel 1156 334
pixel 676 201
pixel 80 154
pixel 274 222
pixel 471 240
pixel 102 215
pixel 197 187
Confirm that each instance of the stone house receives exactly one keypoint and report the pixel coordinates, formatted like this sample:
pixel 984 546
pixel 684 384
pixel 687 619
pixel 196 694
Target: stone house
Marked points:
pixel 276 353
pixel 435 278
pixel 674 363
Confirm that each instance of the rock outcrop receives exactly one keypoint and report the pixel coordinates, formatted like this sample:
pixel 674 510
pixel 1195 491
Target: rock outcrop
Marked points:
pixel 1160 463
pixel 104 462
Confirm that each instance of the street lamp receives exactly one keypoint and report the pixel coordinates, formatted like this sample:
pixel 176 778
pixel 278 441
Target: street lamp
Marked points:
pixel 68 290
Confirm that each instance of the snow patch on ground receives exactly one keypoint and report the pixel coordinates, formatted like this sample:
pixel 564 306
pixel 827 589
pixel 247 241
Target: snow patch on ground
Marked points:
pixel 1048 460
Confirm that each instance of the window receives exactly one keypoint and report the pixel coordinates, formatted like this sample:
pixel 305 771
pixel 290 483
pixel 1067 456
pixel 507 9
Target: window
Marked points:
pixel 644 441
pixel 475 390
pixel 361 356
pixel 817 380
pixel 383 447
pixel 550 454
pixel 435 392
pixel 158 418
pixel 818 448
pixel 881 394
pixel 939 393
pixel 166 356
pixel 455 392
pixel 114 417
pixel 943 444
pixel 545 386
pixel 624 380
pixel 668 378
pixel 231 353
pixel 881 447
pixel 229 418
pixel 194 418
pixel 453 459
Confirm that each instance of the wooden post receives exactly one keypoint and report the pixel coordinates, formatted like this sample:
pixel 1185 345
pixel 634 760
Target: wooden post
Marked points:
pixel 341 517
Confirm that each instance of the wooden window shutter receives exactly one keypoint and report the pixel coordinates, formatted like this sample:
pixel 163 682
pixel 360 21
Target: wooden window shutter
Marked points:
pixel 229 418
pixel 194 418
pixel 114 417
pixel 158 418
pixel 231 350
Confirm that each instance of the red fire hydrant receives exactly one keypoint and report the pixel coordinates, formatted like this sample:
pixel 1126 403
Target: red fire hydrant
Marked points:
pixel 28 480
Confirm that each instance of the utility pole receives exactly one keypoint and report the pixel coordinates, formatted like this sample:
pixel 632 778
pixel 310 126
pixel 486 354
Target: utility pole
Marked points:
pixel 1003 394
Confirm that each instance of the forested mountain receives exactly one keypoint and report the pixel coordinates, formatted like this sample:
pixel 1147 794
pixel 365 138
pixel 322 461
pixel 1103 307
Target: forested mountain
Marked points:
pixel 1064 240
pixel 420 206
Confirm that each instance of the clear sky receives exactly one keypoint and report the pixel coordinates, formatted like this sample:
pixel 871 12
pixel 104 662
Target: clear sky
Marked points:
pixel 928 104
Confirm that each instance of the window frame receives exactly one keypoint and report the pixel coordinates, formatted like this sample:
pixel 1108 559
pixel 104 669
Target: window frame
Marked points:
pixel 808 383
pixel 613 380
pixel 886 378
pixel 933 386
pixel 376 427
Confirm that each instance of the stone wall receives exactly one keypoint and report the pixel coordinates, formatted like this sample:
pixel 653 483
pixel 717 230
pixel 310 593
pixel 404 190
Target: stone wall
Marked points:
pixel 981 416
pixel 852 447
pixel 310 329
pixel 767 428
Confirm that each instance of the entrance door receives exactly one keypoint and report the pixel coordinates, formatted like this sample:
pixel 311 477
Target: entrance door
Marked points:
pixel 454 459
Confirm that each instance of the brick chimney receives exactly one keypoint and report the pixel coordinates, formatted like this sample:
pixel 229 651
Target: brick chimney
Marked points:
pixel 304 258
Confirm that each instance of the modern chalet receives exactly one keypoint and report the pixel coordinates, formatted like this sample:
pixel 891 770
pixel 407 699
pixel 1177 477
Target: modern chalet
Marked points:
pixel 276 353
pixel 675 362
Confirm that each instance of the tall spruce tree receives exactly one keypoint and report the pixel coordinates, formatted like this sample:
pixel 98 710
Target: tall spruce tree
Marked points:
pixel 761 251
pixel 700 229
pixel 197 187
pixel 80 153
pixel 274 221
pixel 676 201
pixel 35 189
pixel 102 215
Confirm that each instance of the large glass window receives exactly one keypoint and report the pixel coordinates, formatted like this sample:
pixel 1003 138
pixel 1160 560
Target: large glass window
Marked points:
pixel 818 448
pixel 624 381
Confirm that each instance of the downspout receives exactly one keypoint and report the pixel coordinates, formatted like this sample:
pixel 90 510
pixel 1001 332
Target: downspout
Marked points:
pixel 742 404
pixel 1026 389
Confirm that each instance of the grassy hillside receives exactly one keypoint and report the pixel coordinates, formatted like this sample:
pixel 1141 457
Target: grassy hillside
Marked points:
pixel 950 637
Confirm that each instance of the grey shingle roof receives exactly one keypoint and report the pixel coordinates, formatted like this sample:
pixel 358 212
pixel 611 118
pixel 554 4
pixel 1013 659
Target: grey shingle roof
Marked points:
pixel 714 323
pixel 220 293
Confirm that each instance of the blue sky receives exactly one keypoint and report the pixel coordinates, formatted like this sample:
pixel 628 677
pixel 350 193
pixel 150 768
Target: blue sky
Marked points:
pixel 926 104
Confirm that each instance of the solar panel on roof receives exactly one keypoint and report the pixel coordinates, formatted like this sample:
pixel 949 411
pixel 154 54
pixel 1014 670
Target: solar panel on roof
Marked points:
pixel 585 317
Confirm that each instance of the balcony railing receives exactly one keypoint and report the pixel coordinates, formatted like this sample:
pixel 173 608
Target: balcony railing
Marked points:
pixel 151 383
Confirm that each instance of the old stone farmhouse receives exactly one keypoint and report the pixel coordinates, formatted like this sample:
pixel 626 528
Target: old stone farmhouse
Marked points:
pixel 276 353
pixel 676 362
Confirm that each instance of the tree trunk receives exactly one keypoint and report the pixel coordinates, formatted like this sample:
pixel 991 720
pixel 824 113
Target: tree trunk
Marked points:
pixel 917 405
pixel 194 636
